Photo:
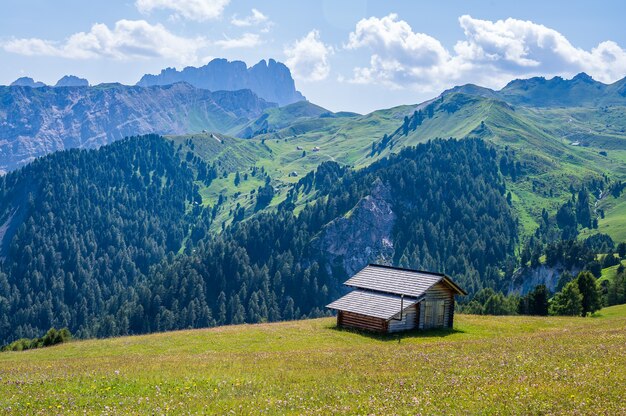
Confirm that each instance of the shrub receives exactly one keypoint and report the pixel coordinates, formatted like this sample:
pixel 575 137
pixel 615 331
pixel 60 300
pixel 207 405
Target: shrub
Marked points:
pixel 52 337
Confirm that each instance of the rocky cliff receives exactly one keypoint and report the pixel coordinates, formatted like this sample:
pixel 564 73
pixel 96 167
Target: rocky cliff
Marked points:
pixel 525 279
pixel 362 236
pixel 27 82
pixel 72 81
pixel 270 80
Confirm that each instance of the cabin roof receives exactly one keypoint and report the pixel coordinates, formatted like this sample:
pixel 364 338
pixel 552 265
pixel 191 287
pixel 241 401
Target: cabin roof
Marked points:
pixel 378 305
pixel 399 281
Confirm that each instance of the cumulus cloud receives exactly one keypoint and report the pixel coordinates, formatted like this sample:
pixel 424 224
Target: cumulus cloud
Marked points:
pixel 127 39
pixel 247 40
pixel 395 39
pixel 308 57
pixel 491 53
pixel 256 18
pixel 522 47
pixel 198 10
pixel 400 56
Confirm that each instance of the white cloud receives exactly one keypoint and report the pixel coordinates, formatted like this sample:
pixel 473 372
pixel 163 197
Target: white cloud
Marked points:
pixel 523 47
pixel 247 40
pixel 490 54
pixel 256 18
pixel 400 56
pixel 393 38
pixel 198 10
pixel 308 57
pixel 129 39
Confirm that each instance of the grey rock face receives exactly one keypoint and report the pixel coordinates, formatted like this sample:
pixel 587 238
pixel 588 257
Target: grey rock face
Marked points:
pixel 27 82
pixel 72 81
pixel 526 279
pixel 364 235
pixel 270 80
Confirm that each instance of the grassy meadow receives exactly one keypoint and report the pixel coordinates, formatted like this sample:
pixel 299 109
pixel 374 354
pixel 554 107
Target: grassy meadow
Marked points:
pixel 486 365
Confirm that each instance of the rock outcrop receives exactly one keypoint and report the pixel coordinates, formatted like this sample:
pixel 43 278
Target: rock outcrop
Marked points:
pixel 27 82
pixel 270 80
pixel 72 81
pixel 362 236
pixel 526 279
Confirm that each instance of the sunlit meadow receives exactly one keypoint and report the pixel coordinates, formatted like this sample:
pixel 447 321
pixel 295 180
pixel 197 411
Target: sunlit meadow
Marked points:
pixel 487 365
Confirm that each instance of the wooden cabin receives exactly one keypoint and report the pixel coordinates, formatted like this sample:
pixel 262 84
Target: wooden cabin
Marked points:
pixel 392 299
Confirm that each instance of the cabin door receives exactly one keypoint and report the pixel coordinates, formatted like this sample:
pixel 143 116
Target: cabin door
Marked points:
pixel 434 314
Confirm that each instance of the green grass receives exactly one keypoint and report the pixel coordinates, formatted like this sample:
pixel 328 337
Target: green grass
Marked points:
pixel 610 272
pixel 487 365
pixel 614 223
pixel 281 117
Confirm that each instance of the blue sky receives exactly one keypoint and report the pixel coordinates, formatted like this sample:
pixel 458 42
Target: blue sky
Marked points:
pixel 345 55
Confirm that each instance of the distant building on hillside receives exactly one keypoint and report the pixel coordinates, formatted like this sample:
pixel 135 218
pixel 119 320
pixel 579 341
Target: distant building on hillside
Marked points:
pixel 392 299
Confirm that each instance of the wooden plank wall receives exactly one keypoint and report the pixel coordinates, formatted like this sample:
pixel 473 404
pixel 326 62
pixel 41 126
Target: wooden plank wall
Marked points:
pixel 355 320
pixel 409 318
pixel 439 292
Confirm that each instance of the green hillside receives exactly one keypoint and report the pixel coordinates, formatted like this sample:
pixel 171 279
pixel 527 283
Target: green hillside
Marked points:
pixel 614 222
pixel 556 147
pixel 487 365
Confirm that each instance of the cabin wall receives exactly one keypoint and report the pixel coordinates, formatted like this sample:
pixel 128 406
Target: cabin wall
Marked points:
pixel 358 321
pixel 437 298
pixel 409 320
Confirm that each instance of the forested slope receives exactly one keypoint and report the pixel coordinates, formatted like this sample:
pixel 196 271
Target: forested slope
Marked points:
pixel 113 241
pixel 83 227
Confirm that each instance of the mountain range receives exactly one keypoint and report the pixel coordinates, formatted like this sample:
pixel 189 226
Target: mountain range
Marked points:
pixel 221 96
pixel 37 121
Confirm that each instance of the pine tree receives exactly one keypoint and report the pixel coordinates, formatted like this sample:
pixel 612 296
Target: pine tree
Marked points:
pixel 288 312
pixel 539 301
pixel 221 308
pixel 568 302
pixel 583 209
pixel 591 301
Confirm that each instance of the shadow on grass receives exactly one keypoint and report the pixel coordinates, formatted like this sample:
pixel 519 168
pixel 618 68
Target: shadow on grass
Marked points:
pixel 399 336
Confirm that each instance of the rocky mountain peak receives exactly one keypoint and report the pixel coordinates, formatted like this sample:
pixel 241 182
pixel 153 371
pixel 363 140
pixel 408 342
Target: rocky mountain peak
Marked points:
pixel 27 82
pixel 72 81
pixel 270 80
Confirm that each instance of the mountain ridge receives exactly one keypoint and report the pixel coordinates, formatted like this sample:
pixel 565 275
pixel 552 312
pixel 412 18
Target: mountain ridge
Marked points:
pixel 270 80
pixel 37 121
pixel 580 90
